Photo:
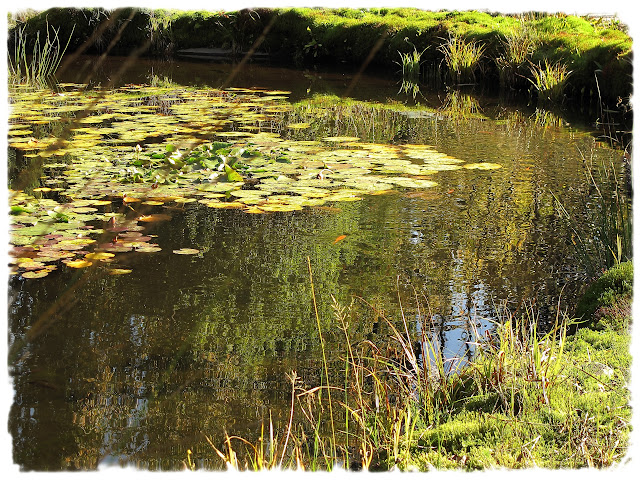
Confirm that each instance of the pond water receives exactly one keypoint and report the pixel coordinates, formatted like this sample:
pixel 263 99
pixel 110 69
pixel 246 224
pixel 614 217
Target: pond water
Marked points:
pixel 174 292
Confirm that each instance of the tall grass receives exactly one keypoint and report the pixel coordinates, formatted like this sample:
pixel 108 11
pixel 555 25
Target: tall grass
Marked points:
pixel 549 80
pixel 462 59
pixel 411 63
pixel 395 394
pixel 38 66
pixel 518 47
pixel 607 240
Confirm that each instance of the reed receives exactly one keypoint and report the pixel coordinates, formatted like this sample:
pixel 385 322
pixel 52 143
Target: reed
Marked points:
pixel 518 47
pixel 411 63
pixel 527 398
pixel 549 80
pixel 38 66
pixel 462 59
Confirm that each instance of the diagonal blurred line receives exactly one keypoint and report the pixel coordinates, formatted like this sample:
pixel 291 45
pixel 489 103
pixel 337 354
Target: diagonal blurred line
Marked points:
pixel 249 54
pixel 367 61
pixel 97 33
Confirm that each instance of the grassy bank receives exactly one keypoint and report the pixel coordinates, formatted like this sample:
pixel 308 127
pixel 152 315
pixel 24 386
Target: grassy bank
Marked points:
pixel 533 51
pixel 527 399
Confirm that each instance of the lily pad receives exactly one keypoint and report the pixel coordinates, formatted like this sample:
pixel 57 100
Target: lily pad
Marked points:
pixel 119 271
pixel 339 139
pixel 482 166
pixel 78 263
pixel 36 274
pixel 186 251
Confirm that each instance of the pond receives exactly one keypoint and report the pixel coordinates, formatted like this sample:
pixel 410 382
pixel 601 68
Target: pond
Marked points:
pixel 167 234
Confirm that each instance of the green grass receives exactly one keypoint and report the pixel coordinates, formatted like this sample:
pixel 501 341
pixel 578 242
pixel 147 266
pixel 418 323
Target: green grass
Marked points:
pixel 517 48
pixel 606 304
pixel 462 59
pixel 410 63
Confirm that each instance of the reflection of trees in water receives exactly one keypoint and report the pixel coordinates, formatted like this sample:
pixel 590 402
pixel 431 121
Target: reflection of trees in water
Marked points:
pixel 141 364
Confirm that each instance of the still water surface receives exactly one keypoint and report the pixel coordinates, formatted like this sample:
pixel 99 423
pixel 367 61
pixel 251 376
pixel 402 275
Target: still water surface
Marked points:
pixel 139 368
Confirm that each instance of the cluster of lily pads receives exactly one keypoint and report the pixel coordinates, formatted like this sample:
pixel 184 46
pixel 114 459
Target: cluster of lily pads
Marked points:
pixel 112 161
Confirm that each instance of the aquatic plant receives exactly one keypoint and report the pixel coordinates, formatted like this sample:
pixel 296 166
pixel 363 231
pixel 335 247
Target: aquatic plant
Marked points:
pixel 411 63
pixel 462 58
pixel 38 66
pixel 549 80
pixel 518 47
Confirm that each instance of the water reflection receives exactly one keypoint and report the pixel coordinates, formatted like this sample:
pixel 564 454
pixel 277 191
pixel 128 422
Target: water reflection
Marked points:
pixel 139 368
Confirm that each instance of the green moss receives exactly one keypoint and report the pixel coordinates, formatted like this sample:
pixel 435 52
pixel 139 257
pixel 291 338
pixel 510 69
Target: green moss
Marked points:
pixel 607 302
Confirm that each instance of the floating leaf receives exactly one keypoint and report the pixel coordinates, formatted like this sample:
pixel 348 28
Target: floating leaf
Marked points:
pixel 35 274
pixel 341 139
pixel 119 271
pixel 186 251
pixel 149 249
pixel 78 263
pixel 232 175
pixel 482 166
pixel 154 217
pixel 339 238
pixel 99 256
pixel 224 205
pixel 280 207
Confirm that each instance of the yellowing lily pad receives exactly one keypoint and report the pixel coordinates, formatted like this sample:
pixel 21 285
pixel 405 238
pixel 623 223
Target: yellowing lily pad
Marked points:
pixel 339 139
pixel 35 274
pixel 148 249
pixel 78 263
pixel 99 256
pixel 482 166
pixel 186 251
pixel 119 271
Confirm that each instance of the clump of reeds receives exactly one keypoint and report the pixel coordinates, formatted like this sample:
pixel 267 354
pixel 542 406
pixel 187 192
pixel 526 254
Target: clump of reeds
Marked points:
pixel 518 47
pixel 411 63
pixel 403 403
pixel 549 80
pixel 38 66
pixel 462 58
